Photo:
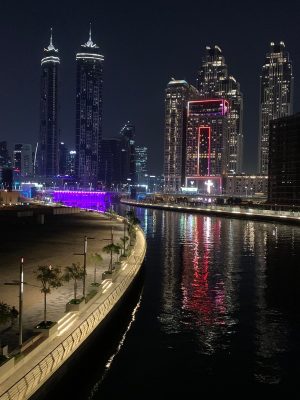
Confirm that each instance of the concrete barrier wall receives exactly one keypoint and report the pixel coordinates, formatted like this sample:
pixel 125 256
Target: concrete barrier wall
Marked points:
pixel 289 216
pixel 66 210
pixel 38 375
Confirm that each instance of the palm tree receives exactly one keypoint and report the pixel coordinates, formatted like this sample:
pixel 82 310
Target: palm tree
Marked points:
pixel 96 259
pixel 132 221
pixel 124 241
pixel 5 313
pixel 50 277
pixel 5 316
pixel 74 272
pixel 111 249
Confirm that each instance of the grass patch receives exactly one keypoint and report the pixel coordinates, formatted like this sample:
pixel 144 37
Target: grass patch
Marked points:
pixel 96 284
pixel 90 295
pixel 76 301
pixel 47 325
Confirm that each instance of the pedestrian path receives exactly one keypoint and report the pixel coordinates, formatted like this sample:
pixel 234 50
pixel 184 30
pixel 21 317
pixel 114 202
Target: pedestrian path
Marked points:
pixel 33 370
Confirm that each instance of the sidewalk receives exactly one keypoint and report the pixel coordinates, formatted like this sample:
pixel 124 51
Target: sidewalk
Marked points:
pixel 226 211
pixel 40 363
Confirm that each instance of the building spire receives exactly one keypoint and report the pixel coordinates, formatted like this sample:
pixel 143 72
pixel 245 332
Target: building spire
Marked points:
pixel 51 47
pixel 90 43
pixel 51 44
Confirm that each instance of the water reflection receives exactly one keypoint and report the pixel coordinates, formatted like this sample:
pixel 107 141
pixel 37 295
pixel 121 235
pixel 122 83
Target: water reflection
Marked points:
pixel 226 282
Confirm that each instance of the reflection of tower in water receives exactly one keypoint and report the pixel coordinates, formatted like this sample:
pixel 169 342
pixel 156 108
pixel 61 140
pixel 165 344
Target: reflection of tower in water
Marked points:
pixel 205 281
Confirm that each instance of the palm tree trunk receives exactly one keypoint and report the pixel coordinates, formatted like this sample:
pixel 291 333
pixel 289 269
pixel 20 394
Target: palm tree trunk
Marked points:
pixel 75 289
pixel 45 309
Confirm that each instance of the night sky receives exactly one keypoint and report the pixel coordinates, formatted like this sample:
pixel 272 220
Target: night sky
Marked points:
pixel 144 44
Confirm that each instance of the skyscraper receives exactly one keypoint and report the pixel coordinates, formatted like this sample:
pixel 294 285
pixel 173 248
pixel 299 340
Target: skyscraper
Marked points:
pixel 141 164
pixel 89 84
pixel 111 168
pixel 22 159
pixel 128 153
pixel 47 153
pixel 207 125
pixel 71 160
pixel 214 81
pixel 284 165
pixel 177 94
pixel 276 96
pixel 63 156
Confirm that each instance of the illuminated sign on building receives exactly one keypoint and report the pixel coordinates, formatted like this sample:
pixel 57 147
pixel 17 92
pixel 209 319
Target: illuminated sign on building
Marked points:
pixel 210 107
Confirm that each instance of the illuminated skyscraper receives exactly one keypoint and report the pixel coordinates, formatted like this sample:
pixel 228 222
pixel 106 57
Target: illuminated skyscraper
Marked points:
pixel 89 63
pixel 207 125
pixel 127 134
pixel 276 96
pixel 177 94
pixel 47 151
pixel 215 82
pixel 141 164
pixel 22 159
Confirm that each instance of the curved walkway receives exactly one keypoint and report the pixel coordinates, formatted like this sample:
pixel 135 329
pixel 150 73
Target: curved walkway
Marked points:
pixel 226 211
pixel 32 371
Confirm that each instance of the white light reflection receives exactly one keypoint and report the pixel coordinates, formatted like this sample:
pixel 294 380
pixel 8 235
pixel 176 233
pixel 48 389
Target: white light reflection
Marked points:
pixel 94 390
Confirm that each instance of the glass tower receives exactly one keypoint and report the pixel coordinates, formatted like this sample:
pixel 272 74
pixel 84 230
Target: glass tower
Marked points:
pixel 47 152
pixel 177 94
pixel 276 97
pixel 214 82
pixel 89 63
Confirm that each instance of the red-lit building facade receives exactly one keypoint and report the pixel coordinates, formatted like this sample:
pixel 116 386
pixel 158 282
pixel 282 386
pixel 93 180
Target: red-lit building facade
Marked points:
pixel 206 144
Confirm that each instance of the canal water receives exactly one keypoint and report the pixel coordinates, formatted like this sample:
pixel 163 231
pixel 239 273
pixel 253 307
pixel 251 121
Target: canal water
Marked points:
pixel 218 305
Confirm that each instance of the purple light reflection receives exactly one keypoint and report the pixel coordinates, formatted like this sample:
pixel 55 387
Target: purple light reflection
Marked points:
pixel 99 201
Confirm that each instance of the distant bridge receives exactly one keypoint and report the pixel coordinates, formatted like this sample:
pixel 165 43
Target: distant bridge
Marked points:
pixel 84 199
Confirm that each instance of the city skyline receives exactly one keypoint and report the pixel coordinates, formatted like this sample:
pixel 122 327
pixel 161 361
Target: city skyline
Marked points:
pixel 134 80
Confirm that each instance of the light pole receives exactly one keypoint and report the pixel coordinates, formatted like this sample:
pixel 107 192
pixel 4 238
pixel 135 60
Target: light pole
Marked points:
pixel 84 262
pixel 20 283
pixel 125 223
pixel 246 187
pixel 111 241
pixel 21 291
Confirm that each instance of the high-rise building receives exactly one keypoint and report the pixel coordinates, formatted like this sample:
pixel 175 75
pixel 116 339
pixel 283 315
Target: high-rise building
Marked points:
pixel 177 94
pixel 276 96
pixel 4 157
pixel 284 164
pixel 4 154
pixel 141 162
pixel 89 64
pixel 214 81
pixel 47 153
pixel 22 159
pixel 206 157
pixel 127 134
pixel 71 160
pixel 63 155
pixel 110 172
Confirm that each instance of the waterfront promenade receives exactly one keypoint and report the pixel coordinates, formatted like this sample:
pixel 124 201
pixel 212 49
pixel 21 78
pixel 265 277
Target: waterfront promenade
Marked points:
pixel 30 371
pixel 226 211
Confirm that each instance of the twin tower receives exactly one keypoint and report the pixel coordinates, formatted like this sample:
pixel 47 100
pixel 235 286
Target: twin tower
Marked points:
pixel 89 83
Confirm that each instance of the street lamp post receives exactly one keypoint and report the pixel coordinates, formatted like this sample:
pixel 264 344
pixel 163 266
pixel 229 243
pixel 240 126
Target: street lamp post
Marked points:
pixel 246 187
pixel 21 291
pixel 20 283
pixel 84 262
pixel 124 234
pixel 111 241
